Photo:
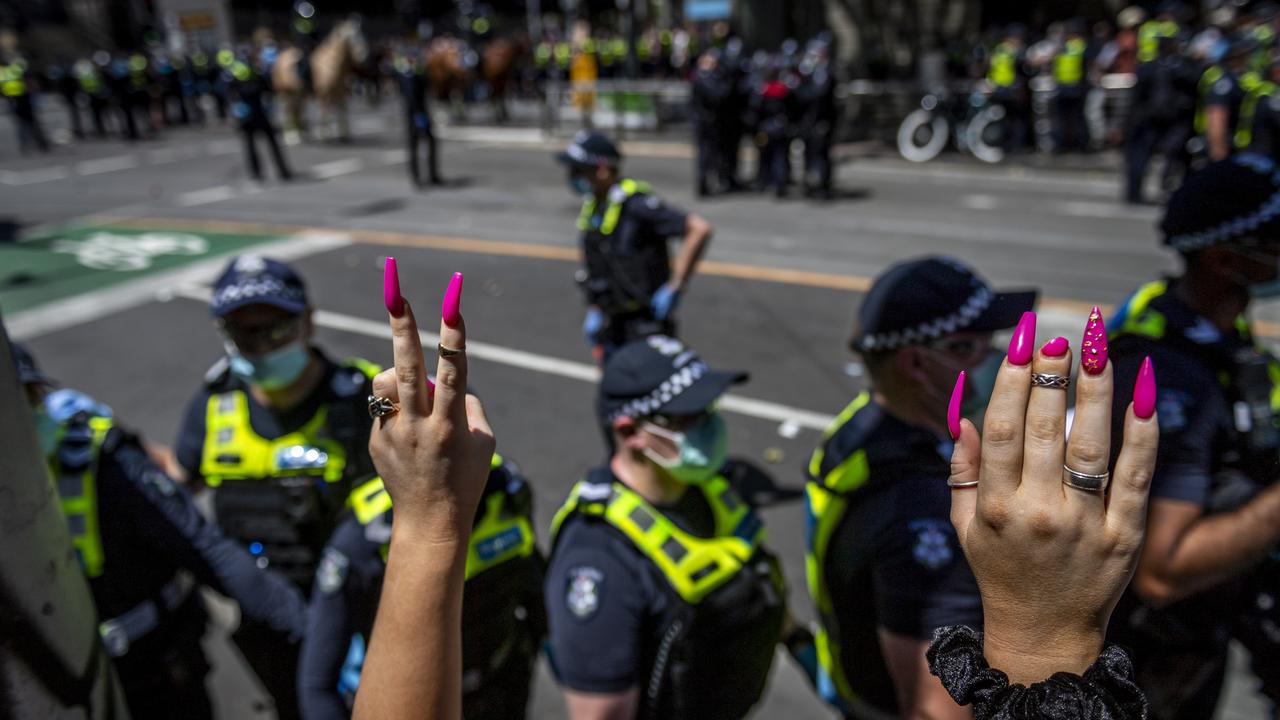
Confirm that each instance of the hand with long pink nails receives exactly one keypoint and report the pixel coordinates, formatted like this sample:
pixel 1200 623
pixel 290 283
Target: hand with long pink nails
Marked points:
pixel 433 454
pixel 1051 559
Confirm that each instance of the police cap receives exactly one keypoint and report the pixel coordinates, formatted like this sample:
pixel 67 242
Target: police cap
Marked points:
pixel 917 301
pixel 1230 200
pixel 659 375
pixel 590 148
pixel 256 280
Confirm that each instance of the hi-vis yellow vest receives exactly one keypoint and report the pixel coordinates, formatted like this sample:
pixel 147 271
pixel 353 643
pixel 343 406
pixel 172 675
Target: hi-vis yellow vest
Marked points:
pixel 233 451
pixel 613 209
pixel 78 486
pixel 1004 66
pixel 1068 65
pixel 693 566
pixel 498 536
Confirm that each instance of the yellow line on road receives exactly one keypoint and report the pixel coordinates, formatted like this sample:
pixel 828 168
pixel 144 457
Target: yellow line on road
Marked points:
pixel 806 278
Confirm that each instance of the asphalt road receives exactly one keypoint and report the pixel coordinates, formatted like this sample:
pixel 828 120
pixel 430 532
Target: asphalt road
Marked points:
pixel 120 241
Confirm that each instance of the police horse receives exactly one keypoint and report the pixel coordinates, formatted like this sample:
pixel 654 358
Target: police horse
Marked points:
pixel 333 67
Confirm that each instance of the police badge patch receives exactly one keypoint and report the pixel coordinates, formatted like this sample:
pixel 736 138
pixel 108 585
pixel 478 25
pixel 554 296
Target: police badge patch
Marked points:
pixel 332 572
pixel 583 589
pixel 933 545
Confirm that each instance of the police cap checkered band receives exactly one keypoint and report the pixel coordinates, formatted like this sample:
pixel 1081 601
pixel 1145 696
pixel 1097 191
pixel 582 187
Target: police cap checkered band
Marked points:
pixel 1226 201
pixel 589 148
pixel 659 375
pixel 255 280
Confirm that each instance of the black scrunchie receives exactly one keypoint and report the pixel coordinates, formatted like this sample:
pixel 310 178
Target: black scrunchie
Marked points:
pixel 1106 691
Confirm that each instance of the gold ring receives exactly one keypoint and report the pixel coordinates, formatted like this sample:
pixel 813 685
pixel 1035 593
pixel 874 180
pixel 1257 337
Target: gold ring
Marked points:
pixel 381 406
pixel 448 351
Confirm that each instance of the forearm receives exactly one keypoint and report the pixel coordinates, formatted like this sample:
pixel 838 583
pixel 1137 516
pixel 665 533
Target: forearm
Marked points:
pixel 414 665
pixel 1214 549
pixel 1218 134
pixel 696 237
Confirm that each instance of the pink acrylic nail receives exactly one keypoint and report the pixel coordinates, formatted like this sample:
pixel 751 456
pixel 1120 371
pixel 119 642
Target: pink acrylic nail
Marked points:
pixel 1144 391
pixel 953 408
pixel 391 288
pixel 1093 348
pixel 449 308
pixel 1056 347
pixel 1022 344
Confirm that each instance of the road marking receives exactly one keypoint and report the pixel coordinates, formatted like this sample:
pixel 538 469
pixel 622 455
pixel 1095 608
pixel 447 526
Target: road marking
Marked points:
pixel 90 306
pixel 1085 208
pixel 392 157
pixel 1013 178
pixel 980 202
pixel 31 177
pixel 107 164
pixel 222 147
pixel 334 168
pixel 511 357
pixel 205 196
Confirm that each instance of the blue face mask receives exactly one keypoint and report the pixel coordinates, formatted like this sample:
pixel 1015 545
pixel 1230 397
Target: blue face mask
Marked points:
pixel 579 185
pixel 47 430
pixel 275 370
pixel 703 450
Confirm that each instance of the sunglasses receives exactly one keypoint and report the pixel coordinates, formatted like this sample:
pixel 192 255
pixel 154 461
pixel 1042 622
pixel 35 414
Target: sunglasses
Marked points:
pixel 262 339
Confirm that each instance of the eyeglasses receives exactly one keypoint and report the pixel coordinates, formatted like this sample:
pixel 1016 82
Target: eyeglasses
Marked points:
pixel 677 423
pixel 262 339
pixel 966 348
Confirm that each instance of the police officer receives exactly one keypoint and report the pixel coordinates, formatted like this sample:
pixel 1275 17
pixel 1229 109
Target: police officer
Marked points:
pixel 1005 75
pixel 884 563
pixel 247 90
pixel 144 548
pixel 630 286
pixel 773 105
pixel 817 94
pixel 16 89
pixel 1222 89
pixel 88 76
pixel 1163 25
pixel 1071 132
pixel 503 619
pixel 1213 522
pixel 710 91
pixel 1259 128
pixel 662 601
pixel 1164 99
pixel 279 434
pixel 61 80
pixel 412 76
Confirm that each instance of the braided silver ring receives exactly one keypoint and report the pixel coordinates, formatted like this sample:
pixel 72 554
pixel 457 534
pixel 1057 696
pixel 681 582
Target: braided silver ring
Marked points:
pixel 957 485
pixel 1057 382
pixel 381 406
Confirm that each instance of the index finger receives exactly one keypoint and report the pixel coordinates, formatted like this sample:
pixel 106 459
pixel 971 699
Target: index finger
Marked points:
pixel 451 371
pixel 406 345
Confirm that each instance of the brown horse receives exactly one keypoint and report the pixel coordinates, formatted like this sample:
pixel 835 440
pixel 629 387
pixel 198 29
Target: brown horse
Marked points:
pixel 452 66
pixel 333 65
pixel 498 68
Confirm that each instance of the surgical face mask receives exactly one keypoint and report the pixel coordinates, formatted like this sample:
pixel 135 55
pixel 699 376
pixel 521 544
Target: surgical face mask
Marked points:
pixel 274 370
pixel 579 184
pixel 701 450
pixel 981 384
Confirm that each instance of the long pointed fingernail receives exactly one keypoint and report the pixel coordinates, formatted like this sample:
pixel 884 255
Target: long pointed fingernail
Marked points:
pixel 450 307
pixel 1144 391
pixel 1056 347
pixel 391 288
pixel 1022 344
pixel 1093 348
pixel 953 408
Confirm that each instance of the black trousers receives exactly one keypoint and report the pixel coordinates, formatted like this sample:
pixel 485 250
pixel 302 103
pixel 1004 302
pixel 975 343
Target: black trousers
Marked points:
pixel 97 112
pixel 163 674
pixel 1070 129
pixel 817 160
pixel 248 132
pixel 1146 139
pixel 708 163
pixel 274 660
pixel 422 136
pixel 29 131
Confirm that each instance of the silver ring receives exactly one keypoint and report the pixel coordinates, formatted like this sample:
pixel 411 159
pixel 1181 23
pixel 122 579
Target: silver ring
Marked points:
pixel 968 484
pixel 1085 481
pixel 381 407
pixel 1056 382
pixel 448 351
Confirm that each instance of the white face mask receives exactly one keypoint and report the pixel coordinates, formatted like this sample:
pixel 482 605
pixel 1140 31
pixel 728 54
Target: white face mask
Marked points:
pixel 702 450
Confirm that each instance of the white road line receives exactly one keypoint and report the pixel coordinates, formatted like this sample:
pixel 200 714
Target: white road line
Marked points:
pixel 222 147
pixel 334 168
pixel 1085 208
pixel 90 306
pixel 545 364
pixel 204 197
pixel 392 157
pixel 980 202
pixel 1013 178
pixel 31 177
pixel 106 165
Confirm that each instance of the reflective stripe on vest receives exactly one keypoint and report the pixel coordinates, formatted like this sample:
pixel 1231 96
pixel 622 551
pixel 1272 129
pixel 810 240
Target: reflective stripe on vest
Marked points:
pixel 78 489
pixel 825 505
pixel 1004 66
pixel 693 566
pixel 1248 109
pixel 1068 65
pixel 497 537
pixel 618 195
pixel 1207 79
pixel 233 451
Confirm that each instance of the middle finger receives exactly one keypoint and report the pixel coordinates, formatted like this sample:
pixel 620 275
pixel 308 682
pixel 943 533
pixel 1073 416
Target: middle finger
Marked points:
pixel 1047 420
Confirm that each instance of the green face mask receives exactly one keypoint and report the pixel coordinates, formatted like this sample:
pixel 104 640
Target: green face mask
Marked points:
pixel 982 382
pixel 703 450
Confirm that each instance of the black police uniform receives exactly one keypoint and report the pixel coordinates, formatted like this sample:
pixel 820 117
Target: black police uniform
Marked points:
pixel 248 92
pixel 711 90
pixel 624 245
pixel 284 522
pixel 773 106
pixel 1226 92
pixel 886 554
pixel 683 657
pixel 418 127
pixel 1161 122
pixel 1263 135
pixel 817 94
pixel 1210 456
pixel 502 615
pixel 145 548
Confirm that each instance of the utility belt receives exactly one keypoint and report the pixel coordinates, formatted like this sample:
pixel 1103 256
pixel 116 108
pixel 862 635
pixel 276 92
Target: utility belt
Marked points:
pixel 283 522
pixel 122 631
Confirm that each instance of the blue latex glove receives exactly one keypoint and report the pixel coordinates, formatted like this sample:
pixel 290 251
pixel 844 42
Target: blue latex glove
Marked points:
pixel 664 301
pixel 592 324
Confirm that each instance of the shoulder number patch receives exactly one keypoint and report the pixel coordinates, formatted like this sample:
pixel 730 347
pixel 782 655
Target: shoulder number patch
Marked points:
pixel 332 573
pixel 583 589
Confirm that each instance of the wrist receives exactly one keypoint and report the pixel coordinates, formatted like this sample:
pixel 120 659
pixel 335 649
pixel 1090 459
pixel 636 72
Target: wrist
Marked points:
pixel 442 533
pixel 1029 658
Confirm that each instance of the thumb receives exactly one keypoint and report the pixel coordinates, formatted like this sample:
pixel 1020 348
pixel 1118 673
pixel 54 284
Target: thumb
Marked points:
pixel 966 460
